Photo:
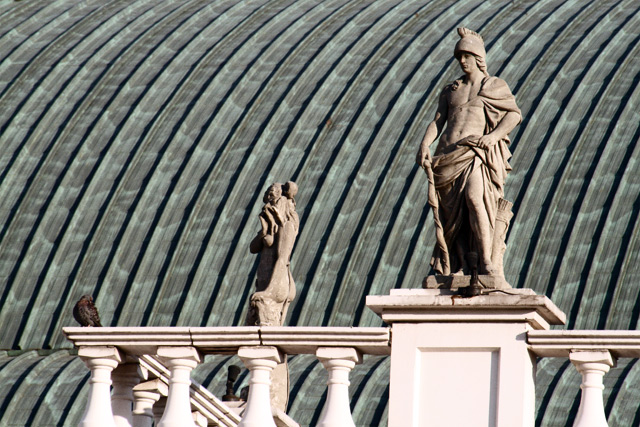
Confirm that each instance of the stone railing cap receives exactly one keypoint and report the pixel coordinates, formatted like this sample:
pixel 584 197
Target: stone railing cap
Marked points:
pixel 558 343
pixel 225 340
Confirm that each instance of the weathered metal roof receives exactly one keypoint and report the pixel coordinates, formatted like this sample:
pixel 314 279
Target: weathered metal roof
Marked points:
pixel 42 388
pixel 138 137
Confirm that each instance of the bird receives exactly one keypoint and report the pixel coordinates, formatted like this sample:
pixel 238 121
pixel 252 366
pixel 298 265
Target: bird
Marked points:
pixel 85 312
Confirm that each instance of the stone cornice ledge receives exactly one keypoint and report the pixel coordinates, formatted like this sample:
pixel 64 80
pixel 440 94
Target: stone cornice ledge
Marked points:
pixel 433 305
pixel 226 340
pixel 558 343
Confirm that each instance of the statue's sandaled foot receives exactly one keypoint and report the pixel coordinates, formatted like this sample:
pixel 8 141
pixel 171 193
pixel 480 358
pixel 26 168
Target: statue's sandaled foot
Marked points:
pixel 458 273
pixel 489 270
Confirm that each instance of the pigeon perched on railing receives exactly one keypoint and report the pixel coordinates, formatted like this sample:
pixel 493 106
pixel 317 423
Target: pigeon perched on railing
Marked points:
pixel 85 312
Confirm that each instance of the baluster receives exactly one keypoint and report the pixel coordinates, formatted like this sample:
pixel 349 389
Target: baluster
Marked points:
pixel 592 365
pixel 100 361
pixel 181 361
pixel 145 396
pixel 124 378
pixel 158 409
pixel 260 361
pixel 338 362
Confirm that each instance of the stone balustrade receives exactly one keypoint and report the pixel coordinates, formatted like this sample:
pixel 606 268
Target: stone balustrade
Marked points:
pixel 593 353
pixel 126 358
pixel 170 353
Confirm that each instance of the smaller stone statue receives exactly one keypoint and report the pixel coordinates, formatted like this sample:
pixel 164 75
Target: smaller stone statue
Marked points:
pixel 275 288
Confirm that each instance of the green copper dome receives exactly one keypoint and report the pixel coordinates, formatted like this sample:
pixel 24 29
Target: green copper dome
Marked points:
pixel 139 136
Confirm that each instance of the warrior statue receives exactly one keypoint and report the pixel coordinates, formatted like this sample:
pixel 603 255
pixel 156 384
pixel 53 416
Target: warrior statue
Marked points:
pixel 275 288
pixel 468 171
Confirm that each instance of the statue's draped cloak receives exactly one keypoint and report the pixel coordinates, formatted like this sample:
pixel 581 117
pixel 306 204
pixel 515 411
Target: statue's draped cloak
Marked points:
pixel 452 169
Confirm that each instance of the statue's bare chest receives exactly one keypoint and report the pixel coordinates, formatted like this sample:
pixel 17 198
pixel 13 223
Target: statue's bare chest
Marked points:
pixel 463 94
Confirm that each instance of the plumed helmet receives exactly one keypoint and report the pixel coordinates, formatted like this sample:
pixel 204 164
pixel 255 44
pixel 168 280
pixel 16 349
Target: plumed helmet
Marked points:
pixel 471 42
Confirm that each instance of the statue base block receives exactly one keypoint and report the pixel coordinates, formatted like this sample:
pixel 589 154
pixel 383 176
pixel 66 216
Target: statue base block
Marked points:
pixel 456 282
pixel 463 361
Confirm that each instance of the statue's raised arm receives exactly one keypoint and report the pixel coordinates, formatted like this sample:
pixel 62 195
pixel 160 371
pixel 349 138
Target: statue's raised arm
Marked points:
pixel 274 241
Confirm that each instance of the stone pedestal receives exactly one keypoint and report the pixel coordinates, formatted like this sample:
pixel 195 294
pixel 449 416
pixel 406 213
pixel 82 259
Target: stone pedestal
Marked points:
pixel 463 361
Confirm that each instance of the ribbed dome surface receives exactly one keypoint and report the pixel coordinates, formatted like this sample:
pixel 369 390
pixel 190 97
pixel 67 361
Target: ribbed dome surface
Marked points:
pixel 139 136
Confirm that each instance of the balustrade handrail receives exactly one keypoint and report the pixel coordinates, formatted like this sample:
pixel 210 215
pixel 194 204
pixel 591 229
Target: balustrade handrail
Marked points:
pixel 227 340
pixel 560 343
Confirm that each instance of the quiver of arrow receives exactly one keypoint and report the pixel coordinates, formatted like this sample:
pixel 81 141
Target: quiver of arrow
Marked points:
pixel 503 219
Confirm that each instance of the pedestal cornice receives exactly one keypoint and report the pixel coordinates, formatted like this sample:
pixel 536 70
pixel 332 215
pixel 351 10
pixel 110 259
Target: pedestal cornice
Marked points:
pixel 432 305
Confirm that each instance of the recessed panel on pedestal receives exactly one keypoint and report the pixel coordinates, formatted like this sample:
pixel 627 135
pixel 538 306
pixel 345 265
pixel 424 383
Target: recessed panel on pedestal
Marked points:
pixel 467 376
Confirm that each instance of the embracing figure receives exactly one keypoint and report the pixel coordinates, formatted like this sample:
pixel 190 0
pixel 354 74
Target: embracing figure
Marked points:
pixel 279 225
pixel 468 171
